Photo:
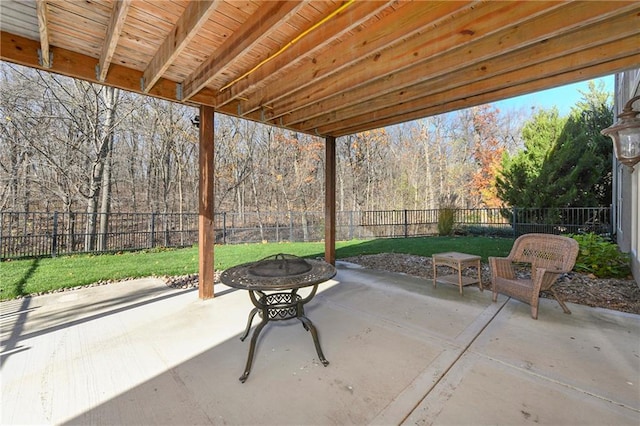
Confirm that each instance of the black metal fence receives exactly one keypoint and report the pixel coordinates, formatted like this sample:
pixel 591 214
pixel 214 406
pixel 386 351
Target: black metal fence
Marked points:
pixel 31 234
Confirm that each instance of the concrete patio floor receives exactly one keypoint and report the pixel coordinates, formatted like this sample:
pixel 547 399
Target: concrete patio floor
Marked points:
pixel 400 352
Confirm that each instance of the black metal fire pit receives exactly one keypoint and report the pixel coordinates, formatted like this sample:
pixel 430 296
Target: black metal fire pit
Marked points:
pixel 284 274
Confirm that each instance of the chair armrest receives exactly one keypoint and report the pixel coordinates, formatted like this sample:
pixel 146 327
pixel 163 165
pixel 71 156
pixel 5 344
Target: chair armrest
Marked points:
pixel 545 278
pixel 501 267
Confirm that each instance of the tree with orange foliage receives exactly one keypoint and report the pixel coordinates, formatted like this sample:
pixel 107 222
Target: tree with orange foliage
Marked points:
pixel 487 153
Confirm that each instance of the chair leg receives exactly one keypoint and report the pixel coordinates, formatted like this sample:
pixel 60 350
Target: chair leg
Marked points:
pixel 535 301
pixel 560 301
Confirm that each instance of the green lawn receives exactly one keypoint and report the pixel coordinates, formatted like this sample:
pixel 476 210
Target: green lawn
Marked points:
pixel 31 276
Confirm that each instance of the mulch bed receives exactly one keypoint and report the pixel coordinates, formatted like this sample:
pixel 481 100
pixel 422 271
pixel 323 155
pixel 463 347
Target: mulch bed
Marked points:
pixel 610 293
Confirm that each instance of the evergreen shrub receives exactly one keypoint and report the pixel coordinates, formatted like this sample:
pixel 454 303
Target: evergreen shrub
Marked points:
pixel 447 215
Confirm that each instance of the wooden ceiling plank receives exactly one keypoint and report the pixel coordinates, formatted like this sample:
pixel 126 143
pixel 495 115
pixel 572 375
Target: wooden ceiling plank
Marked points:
pixel 120 9
pixel 508 40
pixel 252 32
pixel 342 24
pixel 410 19
pixel 42 11
pixel 72 11
pixel 190 22
pixel 590 58
pixel 64 25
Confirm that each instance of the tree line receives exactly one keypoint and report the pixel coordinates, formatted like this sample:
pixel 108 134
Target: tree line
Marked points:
pixel 68 145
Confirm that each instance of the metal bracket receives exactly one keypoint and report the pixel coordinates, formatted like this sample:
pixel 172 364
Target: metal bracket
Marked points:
pixel 142 84
pixel 179 91
pixel 41 62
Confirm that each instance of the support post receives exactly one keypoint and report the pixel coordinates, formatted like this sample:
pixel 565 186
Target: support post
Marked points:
pixel 206 233
pixel 330 200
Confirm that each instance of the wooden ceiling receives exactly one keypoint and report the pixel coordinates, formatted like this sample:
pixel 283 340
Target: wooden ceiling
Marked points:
pixel 325 67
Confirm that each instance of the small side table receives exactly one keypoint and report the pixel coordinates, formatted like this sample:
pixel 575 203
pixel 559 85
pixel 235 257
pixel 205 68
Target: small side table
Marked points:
pixel 457 261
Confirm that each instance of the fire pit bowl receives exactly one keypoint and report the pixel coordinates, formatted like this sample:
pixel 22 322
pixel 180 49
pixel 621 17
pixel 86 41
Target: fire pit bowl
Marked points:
pixel 278 272
pixel 280 265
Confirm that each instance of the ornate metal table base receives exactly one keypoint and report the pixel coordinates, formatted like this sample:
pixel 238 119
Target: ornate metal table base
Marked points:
pixel 273 285
pixel 278 307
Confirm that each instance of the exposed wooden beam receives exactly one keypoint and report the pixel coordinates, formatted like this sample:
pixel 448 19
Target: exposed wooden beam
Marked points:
pixel 386 76
pixel 364 46
pixel 425 59
pixel 445 102
pixel 42 11
pixel 557 55
pixel 194 17
pixel 206 233
pixel 456 77
pixel 258 27
pixel 339 26
pixel 19 50
pixel 118 16
pixel 330 200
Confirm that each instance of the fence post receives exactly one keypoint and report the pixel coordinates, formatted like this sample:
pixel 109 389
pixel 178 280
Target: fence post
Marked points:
pixel 406 224
pixel 167 225
pixel 291 227
pixel 153 229
pixel 224 227
pixel 515 222
pixel 54 237
pixel 351 224
pixel 71 237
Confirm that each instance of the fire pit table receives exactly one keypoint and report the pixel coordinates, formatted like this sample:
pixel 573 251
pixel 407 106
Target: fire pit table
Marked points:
pixel 283 274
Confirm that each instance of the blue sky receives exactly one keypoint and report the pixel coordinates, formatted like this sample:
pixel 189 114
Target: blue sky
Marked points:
pixel 563 97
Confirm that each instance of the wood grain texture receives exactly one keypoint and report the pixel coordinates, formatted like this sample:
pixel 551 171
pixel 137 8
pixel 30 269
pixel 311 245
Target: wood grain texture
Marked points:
pixel 370 65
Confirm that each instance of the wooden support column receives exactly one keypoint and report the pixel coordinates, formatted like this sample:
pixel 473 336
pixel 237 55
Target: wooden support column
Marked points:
pixel 330 200
pixel 206 234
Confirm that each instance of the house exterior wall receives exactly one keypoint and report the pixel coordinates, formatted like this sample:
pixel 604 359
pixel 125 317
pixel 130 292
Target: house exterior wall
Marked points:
pixel 626 185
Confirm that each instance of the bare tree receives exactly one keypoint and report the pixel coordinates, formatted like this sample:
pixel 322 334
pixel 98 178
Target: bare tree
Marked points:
pixel 19 124
pixel 67 144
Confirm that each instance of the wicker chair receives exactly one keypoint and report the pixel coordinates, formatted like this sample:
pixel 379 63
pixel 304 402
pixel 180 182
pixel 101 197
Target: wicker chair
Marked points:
pixel 549 256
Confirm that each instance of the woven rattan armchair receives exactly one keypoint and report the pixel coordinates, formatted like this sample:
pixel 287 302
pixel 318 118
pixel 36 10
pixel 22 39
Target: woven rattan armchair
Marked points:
pixel 548 256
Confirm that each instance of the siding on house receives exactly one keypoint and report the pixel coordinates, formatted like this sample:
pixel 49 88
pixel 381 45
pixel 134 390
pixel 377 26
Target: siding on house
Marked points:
pixel 626 185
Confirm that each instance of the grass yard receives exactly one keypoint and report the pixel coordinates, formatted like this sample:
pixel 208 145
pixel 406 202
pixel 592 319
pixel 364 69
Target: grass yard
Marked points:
pixel 32 276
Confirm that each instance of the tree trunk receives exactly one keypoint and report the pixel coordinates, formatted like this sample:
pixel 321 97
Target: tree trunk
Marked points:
pixel 105 199
pixel 108 96
pixel 257 204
